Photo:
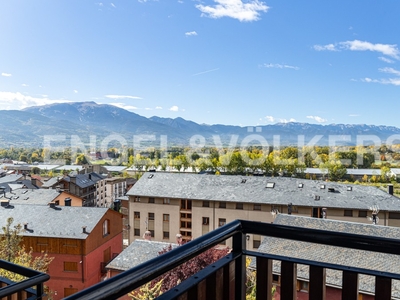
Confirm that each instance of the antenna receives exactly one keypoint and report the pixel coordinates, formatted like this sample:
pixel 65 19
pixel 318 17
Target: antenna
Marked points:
pixel 374 218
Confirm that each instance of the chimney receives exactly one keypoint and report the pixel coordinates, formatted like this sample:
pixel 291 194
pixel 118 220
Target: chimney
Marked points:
pixel 26 226
pixel 52 205
pixel 33 181
pixel 147 235
pixel 117 205
pixel 179 239
pixel 67 201
pixel 84 229
pixel 90 176
pixel 390 189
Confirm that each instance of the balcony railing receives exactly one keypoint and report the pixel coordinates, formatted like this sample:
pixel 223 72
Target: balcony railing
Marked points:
pixel 30 288
pixel 225 279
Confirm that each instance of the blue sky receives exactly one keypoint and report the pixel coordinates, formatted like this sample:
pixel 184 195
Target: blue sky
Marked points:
pixel 214 61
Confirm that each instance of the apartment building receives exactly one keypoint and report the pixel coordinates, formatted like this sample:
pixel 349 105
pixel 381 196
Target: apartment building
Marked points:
pixel 82 241
pixel 116 188
pixel 194 204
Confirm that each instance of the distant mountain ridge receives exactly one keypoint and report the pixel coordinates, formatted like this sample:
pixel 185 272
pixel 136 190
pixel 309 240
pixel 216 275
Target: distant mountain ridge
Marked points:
pixel 29 126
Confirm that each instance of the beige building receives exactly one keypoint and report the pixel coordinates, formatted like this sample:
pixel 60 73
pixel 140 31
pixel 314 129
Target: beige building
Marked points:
pixel 193 204
pixel 116 188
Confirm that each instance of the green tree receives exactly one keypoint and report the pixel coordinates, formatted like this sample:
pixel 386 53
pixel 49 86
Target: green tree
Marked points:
pixel 334 168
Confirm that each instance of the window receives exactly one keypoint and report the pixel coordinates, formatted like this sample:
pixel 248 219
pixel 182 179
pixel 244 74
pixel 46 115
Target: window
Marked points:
pixel 394 215
pixel 166 201
pixel 348 213
pixel 70 266
pixel 222 205
pixel 206 221
pixel 185 224
pixel 165 234
pixel 165 217
pixel 257 207
pixel 136 214
pixel 270 185
pixel 362 213
pixel 136 232
pixel 151 200
pixel 151 216
pixel 137 199
pixel 256 244
pixel 106 227
pixel 186 216
pixel 152 233
pixel 206 203
pixel 239 205
pixel 221 222
pixel 186 204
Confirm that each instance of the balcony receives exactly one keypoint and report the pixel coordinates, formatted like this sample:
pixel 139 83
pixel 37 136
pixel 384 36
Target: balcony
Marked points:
pixel 31 287
pixel 225 279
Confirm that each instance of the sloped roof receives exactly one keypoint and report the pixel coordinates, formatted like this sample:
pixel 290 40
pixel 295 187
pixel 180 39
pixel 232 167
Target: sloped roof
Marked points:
pixel 136 253
pixel 29 196
pixel 10 178
pixel 336 255
pixel 62 222
pixel 253 189
pixel 85 180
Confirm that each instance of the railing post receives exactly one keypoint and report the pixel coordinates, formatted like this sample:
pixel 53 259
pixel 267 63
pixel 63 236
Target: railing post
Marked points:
pixel 383 288
pixel 316 288
pixel 239 244
pixel 264 278
pixel 350 285
pixel 289 280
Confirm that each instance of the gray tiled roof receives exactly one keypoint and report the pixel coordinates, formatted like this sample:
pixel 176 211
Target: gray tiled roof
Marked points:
pixel 136 253
pixel 254 190
pixel 52 181
pixel 10 178
pixel 86 180
pixel 28 196
pixel 62 222
pixel 336 255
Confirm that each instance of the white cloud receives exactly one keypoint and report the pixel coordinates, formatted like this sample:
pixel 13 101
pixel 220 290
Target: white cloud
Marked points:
pixel 6 74
pixel 18 100
pixel 357 45
pixel 318 119
pixel 354 115
pixel 329 47
pixel 386 60
pixel 191 33
pixel 121 97
pixel 75 91
pixel 236 9
pixel 124 106
pixel 148 108
pixel 392 81
pixel 204 72
pixel 99 3
pixel 24 84
pixel 390 71
pixel 279 66
pixel 158 107
pixel 174 108
pixel 270 118
pixel 113 5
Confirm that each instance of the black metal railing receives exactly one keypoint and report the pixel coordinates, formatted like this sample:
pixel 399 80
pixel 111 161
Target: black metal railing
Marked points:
pixel 31 287
pixel 226 278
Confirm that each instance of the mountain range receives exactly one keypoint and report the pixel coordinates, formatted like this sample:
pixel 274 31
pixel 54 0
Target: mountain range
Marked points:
pixel 83 120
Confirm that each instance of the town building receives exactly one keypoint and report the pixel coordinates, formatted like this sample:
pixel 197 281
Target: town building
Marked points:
pixel 82 240
pixel 116 187
pixel 386 263
pixel 194 204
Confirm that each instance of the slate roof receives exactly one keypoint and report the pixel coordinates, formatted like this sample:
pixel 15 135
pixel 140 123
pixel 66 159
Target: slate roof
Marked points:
pixel 62 222
pixel 115 168
pixel 336 255
pixel 254 190
pixel 70 167
pixel 86 180
pixel 52 181
pixel 11 178
pixel 136 253
pixel 28 196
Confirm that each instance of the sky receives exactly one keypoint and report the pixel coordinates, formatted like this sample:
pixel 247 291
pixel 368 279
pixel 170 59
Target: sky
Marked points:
pixel 231 62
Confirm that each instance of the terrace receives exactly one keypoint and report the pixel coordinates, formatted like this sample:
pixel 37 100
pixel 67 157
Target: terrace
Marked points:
pixel 225 279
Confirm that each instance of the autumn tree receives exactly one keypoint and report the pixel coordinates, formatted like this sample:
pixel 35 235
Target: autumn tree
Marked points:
pixel 11 250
